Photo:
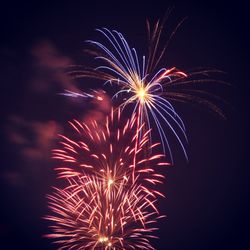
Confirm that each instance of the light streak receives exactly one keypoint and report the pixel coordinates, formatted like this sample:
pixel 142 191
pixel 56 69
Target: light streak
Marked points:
pixel 138 86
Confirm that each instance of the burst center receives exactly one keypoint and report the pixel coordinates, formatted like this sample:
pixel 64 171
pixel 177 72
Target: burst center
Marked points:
pixel 141 93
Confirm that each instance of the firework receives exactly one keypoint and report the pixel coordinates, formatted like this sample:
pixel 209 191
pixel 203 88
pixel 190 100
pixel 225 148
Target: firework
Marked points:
pixel 87 214
pixel 108 151
pixel 148 89
pixel 112 169
pixel 138 85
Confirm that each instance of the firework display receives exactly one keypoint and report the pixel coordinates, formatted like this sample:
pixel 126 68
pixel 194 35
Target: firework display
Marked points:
pixel 110 170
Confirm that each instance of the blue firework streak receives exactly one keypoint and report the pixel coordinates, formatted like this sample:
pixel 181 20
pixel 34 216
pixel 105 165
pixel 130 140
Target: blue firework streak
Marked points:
pixel 85 95
pixel 149 90
pixel 139 87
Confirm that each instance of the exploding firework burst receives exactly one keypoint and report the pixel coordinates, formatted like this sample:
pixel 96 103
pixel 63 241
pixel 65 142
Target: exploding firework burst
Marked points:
pixel 89 215
pixel 108 151
pixel 140 87
pixel 148 89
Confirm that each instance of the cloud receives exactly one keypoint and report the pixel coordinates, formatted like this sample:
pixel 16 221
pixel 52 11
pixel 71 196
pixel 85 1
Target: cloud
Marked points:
pixel 49 69
pixel 34 139
pixel 33 130
pixel 14 178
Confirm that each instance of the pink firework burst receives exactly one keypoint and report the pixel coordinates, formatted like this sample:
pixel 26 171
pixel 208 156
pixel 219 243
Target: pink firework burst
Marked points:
pixel 112 153
pixel 88 214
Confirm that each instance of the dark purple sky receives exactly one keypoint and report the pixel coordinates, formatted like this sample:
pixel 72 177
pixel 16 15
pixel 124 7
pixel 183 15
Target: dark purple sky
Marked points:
pixel 207 199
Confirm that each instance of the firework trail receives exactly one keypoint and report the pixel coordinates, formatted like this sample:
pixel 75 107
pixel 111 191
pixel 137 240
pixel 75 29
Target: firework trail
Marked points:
pixel 88 214
pixel 95 95
pixel 148 89
pixel 107 151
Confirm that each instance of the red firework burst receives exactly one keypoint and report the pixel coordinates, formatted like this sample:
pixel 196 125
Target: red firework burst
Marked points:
pixel 110 152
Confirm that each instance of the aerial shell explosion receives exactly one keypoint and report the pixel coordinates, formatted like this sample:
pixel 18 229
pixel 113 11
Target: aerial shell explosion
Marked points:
pixel 109 198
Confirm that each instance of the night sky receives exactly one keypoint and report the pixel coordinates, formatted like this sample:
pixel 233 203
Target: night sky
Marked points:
pixel 207 203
